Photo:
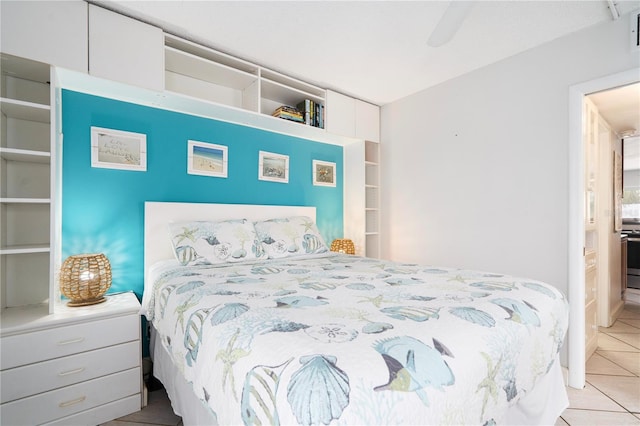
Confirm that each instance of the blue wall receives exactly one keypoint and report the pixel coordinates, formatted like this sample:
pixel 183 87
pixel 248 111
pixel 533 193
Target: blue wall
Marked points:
pixel 103 209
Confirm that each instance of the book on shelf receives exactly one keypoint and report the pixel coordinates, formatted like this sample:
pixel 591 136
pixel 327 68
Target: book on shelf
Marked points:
pixel 288 113
pixel 313 112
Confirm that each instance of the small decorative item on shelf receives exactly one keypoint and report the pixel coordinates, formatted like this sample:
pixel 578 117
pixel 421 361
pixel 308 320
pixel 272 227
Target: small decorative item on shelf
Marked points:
pixel 85 278
pixel 343 245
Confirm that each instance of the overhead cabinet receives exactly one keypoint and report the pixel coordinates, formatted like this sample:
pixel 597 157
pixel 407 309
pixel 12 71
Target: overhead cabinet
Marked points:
pixel 125 50
pixel 53 32
pixel 352 117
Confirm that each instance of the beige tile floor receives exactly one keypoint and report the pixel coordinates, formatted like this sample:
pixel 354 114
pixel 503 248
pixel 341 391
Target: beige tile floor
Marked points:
pixel 612 393
pixel 611 396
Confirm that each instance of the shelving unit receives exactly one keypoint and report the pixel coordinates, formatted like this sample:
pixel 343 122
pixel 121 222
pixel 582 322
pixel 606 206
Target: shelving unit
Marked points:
pixel 25 200
pixel 372 199
pixel 197 71
pixel 204 73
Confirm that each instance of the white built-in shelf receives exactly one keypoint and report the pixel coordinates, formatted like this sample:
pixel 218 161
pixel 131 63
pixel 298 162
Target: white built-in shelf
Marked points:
pixel 26 249
pixel 190 65
pixel 290 83
pixel 179 102
pixel 179 44
pixel 23 110
pixel 25 155
pixel 286 95
pixel 25 200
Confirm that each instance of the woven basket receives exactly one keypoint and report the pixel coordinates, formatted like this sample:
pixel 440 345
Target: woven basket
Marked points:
pixel 85 278
pixel 343 245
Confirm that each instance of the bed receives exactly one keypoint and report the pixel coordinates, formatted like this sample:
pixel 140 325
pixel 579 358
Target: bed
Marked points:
pixel 255 321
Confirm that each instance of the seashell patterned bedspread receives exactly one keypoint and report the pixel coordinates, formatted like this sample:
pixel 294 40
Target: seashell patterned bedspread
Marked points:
pixel 349 340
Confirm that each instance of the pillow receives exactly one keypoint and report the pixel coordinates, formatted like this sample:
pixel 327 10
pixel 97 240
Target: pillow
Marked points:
pixel 291 236
pixel 205 243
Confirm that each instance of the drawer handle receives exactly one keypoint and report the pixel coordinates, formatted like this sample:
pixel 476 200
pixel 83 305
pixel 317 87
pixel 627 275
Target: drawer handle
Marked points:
pixel 72 402
pixel 68 373
pixel 68 342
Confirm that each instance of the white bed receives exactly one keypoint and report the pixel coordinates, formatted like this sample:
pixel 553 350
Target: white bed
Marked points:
pixel 539 402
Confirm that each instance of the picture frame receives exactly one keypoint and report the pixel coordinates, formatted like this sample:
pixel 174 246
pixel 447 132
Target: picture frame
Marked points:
pixel 324 173
pixel 118 149
pixel 207 159
pixel 273 167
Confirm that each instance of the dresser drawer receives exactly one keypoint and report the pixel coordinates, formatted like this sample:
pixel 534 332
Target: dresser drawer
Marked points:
pixel 102 414
pixel 56 373
pixel 42 345
pixel 49 406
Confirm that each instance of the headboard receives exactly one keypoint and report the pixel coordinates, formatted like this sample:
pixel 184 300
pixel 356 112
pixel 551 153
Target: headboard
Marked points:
pixel 157 215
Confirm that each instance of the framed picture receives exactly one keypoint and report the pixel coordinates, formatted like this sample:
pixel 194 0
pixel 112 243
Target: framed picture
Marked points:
pixel 207 159
pixel 117 149
pixel 324 173
pixel 273 167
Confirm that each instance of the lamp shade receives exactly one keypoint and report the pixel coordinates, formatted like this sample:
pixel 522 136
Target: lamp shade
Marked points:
pixel 343 245
pixel 85 278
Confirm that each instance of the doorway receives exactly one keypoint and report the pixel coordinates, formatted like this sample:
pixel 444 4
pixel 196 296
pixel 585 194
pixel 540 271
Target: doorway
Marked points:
pixel 576 225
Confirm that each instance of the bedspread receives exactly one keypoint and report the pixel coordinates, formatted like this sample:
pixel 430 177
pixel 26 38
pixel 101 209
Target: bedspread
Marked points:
pixel 350 340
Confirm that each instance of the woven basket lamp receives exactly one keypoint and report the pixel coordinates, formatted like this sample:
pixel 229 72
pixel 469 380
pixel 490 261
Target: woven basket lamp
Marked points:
pixel 343 245
pixel 85 278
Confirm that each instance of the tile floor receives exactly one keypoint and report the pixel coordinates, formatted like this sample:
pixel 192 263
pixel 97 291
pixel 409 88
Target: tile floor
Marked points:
pixel 611 397
pixel 612 393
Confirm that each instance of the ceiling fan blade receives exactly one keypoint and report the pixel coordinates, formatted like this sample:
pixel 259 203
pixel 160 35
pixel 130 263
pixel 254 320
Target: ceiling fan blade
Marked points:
pixel 450 23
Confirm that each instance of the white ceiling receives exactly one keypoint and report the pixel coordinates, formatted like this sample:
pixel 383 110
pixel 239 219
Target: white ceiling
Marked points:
pixel 373 50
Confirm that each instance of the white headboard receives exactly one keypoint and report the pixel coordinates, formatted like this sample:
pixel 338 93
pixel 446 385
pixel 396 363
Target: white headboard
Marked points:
pixel 157 245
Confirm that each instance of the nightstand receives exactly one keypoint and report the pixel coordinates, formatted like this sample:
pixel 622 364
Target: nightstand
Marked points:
pixel 77 366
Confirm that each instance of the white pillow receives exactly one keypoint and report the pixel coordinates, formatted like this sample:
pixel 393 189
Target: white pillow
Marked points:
pixel 290 236
pixel 204 243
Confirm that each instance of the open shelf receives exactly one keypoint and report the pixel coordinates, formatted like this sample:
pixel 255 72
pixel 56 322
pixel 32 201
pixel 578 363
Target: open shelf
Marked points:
pixel 25 155
pixel 23 110
pixel 25 185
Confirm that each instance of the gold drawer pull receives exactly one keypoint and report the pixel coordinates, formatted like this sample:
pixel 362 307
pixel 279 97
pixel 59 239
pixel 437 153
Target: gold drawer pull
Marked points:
pixel 72 402
pixel 68 373
pixel 68 342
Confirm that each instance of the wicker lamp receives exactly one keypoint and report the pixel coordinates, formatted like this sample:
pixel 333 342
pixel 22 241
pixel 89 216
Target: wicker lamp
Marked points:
pixel 343 245
pixel 85 278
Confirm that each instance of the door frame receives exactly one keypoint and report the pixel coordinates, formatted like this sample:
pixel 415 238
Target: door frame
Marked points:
pixel 576 229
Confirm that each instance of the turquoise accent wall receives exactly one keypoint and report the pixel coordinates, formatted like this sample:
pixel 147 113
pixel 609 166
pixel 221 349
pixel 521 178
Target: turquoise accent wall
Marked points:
pixel 103 209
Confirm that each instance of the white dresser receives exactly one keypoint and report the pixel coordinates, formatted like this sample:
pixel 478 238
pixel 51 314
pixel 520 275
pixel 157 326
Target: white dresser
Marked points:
pixel 77 366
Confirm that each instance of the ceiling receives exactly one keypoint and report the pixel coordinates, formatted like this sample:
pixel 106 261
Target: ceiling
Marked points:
pixel 373 50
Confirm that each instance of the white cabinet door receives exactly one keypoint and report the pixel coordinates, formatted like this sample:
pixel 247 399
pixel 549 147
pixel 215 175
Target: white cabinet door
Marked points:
pixel 351 117
pixel 367 121
pixel 340 114
pixel 125 50
pixel 53 32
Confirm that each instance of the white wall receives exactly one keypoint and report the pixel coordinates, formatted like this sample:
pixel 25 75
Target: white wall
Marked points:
pixel 475 170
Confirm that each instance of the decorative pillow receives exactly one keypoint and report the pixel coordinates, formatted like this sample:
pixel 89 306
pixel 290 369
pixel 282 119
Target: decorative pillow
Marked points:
pixel 291 236
pixel 203 243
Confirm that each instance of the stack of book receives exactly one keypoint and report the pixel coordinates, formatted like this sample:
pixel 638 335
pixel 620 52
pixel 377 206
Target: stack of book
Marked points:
pixel 289 113
pixel 313 113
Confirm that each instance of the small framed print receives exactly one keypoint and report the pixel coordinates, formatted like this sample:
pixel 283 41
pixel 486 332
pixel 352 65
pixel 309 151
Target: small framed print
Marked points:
pixel 117 149
pixel 273 167
pixel 207 159
pixel 324 173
